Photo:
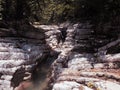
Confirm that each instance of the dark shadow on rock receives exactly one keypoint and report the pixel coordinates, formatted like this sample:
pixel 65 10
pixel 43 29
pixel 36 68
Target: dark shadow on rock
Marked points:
pixel 41 71
pixel 63 33
pixel 18 77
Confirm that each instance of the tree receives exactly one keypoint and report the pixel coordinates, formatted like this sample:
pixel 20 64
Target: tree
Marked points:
pixel 0 9
pixel 8 10
pixel 59 10
pixel 22 9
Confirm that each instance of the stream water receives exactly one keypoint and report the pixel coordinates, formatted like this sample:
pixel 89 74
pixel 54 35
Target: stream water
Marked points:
pixel 39 76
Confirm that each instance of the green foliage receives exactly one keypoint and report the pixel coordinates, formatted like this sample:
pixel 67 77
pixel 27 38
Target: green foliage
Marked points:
pixel 0 9
pixel 47 11
pixel 100 8
pixel 8 9
pixel 57 11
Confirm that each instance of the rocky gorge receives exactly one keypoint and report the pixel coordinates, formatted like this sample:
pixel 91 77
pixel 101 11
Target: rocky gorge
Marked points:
pixel 80 56
pixel 87 60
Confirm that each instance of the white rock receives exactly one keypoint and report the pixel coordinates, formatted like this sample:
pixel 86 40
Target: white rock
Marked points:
pixel 66 85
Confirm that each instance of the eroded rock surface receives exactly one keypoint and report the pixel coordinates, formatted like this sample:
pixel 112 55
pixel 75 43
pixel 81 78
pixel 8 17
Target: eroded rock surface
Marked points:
pixel 85 61
pixel 18 55
pixel 87 58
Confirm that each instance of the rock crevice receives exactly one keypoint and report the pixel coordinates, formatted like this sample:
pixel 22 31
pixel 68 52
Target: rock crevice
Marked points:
pixel 85 61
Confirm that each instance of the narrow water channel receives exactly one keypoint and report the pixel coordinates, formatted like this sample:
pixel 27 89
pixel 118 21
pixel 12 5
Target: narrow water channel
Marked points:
pixel 39 76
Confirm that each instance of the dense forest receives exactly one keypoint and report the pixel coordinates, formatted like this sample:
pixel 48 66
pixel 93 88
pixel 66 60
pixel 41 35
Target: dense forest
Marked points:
pixel 47 11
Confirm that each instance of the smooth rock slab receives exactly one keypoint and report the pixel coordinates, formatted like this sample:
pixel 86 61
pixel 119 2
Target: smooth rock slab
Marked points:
pixel 67 85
